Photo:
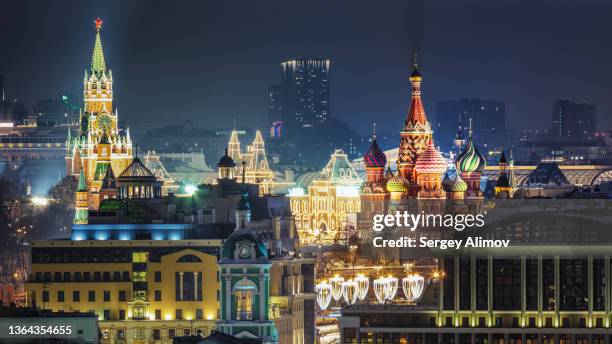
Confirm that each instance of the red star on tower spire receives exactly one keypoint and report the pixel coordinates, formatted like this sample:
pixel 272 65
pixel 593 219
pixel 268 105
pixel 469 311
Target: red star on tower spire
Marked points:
pixel 98 22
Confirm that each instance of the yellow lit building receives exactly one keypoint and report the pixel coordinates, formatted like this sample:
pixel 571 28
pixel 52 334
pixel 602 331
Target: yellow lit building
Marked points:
pixel 143 291
pixel 323 213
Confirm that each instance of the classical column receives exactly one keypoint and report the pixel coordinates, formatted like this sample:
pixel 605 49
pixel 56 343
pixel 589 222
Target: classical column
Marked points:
pixel 490 289
pixel 523 289
pixel 557 290
pixel 181 286
pixel 590 321
pixel 195 285
pixel 456 317
pixel 262 296
pixel 540 290
pixel 473 287
pixel 607 289
pixel 441 294
pixel 228 297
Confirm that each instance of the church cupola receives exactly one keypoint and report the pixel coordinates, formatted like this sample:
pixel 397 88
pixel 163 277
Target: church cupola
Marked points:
pixel 226 166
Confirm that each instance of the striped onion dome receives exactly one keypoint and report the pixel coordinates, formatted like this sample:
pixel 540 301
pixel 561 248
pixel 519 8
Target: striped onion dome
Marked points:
pixel 397 184
pixel 431 161
pixel 470 160
pixel 458 184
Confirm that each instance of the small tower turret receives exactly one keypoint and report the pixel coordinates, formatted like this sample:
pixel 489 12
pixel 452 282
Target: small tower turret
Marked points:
pixel 243 208
pixel 82 201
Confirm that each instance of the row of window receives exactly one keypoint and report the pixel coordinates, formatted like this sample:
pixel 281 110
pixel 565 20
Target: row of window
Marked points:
pixel 178 314
pixel 156 333
pixel 91 295
pixel 97 276
pixel 572 290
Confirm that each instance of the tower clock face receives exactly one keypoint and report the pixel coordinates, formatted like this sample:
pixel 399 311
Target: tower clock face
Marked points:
pixel 244 251
pixel 104 123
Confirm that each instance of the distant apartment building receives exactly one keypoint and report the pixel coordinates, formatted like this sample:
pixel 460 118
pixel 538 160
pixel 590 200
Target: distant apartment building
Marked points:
pixel 576 120
pixel 488 119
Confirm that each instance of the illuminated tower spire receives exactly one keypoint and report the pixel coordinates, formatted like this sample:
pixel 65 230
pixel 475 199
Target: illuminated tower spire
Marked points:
pixel 417 131
pixel 233 146
pixel 97 60
pixel 82 203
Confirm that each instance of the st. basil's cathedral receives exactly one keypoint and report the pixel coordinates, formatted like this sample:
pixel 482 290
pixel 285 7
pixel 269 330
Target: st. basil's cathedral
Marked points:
pixel 425 181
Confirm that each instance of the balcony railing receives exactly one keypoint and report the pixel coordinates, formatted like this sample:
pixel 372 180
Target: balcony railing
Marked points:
pixel 244 315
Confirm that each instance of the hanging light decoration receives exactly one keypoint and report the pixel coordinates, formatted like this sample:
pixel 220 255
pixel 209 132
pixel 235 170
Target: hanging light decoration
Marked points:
pixel 406 287
pixel 363 284
pixel 336 285
pixel 417 284
pixel 380 286
pixel 349 291
pixel 324 294
pixel 391 287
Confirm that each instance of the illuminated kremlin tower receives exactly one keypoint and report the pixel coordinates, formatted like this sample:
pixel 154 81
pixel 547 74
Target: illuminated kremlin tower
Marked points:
pixel 505 185
pixel 416 135
pixel 99 144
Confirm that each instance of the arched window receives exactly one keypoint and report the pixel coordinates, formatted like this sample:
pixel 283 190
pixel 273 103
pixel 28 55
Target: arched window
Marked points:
pixel 244 294
pixel 189 258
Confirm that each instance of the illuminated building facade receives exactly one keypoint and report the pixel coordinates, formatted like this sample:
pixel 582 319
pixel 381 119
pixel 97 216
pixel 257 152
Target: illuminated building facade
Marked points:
pixel 330 204
pixel 99 143
pixel 141 290
pixel 267 290
pixel 528 294
pixel 257 168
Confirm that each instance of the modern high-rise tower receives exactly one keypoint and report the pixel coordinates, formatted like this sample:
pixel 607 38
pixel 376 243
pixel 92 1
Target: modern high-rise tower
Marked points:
pixel 305 88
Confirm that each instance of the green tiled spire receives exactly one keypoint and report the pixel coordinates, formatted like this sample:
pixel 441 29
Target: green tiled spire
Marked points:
pixel 82 183
pixel 97 60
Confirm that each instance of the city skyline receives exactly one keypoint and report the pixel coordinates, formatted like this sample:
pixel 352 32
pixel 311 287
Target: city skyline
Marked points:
pixel 214 54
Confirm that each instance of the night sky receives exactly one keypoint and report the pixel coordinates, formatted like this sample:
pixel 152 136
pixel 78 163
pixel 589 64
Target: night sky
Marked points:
pixel 212 61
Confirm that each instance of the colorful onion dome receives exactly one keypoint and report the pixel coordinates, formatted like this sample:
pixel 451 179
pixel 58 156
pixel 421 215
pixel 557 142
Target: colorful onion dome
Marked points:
pixel 447 182
pixel 458 184
pixel 431 161
pixel 470 160
pixel 374 157
pixel 397 184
